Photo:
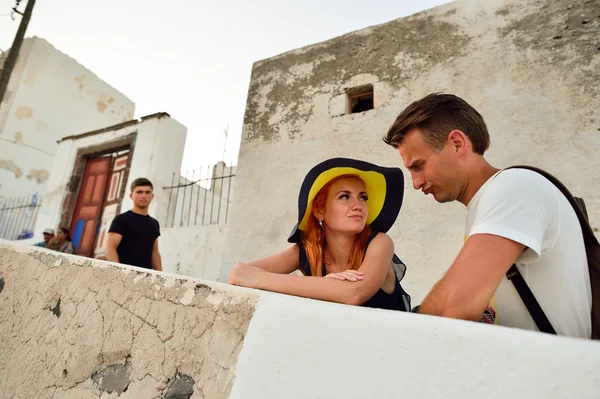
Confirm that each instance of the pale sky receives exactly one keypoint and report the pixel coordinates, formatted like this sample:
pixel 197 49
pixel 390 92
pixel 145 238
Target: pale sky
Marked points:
pixel 193 58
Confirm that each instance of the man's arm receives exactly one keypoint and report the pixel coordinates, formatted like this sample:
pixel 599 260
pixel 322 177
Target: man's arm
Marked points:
pixel 469 284
pixel 156 259
pixel 112 243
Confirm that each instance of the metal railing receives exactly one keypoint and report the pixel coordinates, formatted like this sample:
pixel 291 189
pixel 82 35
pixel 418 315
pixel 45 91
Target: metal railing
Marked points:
pixel 200 198
pixel 18 215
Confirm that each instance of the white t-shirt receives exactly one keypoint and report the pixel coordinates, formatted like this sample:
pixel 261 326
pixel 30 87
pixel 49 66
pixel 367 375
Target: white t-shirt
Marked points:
pixel 525 207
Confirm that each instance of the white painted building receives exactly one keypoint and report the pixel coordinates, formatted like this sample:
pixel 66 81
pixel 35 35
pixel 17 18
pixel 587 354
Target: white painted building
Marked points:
pixel 92 172
pixel 531 68
pixel 68 141
pixel 49 96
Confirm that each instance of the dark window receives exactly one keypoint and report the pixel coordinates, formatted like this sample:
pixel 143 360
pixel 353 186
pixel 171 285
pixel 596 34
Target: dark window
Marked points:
pixel 360 99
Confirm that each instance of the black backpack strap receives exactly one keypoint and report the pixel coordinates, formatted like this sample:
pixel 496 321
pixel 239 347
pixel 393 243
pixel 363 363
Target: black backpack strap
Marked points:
pixel 577 203
pixel 532 305
pixel 592 247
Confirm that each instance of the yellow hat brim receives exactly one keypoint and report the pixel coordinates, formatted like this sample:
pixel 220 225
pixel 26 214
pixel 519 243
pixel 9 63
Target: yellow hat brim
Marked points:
pixel 375 185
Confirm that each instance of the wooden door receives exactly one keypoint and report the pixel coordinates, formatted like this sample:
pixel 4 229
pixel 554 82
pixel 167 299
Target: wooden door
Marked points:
pixel 112 202
pixel 90 200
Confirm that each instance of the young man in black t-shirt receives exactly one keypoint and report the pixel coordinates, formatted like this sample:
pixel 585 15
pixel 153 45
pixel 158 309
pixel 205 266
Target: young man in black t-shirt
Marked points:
pixel 133 235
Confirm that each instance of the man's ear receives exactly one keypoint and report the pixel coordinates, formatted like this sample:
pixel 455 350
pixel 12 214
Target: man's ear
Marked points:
pixel 458 141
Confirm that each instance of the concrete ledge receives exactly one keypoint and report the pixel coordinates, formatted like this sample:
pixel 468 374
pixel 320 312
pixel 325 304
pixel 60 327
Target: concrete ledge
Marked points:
pixel 71 327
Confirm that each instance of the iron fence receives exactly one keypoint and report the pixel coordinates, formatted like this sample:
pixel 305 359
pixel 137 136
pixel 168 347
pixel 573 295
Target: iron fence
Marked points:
pixel 18 215
pixel 201 197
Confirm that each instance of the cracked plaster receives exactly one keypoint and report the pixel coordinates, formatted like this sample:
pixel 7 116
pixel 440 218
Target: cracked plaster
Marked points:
pixel 71 322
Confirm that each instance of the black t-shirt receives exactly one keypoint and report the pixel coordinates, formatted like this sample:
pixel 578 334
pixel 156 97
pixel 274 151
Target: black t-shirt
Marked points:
pixel 139 233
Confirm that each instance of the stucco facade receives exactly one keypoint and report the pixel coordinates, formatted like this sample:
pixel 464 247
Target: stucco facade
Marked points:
pixel 156 143
pixel 76 328
pixel 194 251
pixel 530 67
pixel 49 96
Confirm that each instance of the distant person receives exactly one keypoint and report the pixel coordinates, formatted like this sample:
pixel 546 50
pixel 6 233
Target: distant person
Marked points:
pixel 62 242
pixel 133 235
pixel 48 236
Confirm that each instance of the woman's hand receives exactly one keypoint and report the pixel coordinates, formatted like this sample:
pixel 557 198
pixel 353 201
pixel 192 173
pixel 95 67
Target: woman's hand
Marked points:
pixel 347 275
pixel 245 275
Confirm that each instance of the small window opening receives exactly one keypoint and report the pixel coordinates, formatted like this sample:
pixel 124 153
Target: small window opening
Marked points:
pixel 360 99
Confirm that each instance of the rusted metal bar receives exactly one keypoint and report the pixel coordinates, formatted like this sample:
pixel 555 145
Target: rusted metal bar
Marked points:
pixel 191 198
pixel 169 206
pixel 14 217
pixel 23 222
pixel 198 200
pixel 228 194
pixel 176 200
pixel 17 213
pixel 183 202
pixel 205 194
pixel 4 216
pixel 220 194
pixel 195 182
pixel 212 201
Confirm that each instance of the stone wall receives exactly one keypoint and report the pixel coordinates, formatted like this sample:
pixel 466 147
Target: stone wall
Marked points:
pixel 49 96
pixel 75 328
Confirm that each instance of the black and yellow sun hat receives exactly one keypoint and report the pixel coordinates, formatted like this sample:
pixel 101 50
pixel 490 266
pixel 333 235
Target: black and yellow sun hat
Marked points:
pixel 385 189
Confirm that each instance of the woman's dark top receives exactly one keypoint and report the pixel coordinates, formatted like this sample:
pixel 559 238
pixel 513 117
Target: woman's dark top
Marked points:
pixel 398 300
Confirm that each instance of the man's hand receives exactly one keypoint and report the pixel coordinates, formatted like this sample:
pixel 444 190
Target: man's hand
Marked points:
pixel 468 286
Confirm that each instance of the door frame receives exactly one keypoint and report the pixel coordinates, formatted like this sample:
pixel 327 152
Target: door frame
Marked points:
pixel 76 180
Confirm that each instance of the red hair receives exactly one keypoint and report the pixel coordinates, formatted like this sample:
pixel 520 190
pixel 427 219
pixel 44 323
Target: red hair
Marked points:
pixel 314 236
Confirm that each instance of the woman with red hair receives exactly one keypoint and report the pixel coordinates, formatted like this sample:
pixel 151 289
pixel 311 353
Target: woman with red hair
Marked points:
pixel 345 207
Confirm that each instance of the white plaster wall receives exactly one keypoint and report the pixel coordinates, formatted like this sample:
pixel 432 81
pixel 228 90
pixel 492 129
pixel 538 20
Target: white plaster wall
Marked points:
pixel 194 251
pixel 300 348
pixel 538 95
pixel 157 155
pixel 232 342
pixel 49 96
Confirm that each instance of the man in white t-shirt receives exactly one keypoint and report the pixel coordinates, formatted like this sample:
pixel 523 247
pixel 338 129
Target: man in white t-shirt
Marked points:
pixel 514 216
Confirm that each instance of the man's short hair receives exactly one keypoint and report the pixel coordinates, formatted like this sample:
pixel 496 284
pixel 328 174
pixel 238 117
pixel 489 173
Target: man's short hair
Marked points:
pixel 436 115
pixel 141 181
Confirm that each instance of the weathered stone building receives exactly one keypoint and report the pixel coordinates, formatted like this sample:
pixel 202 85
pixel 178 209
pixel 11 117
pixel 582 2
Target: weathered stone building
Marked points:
pixel 49 96
pixel 530 67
